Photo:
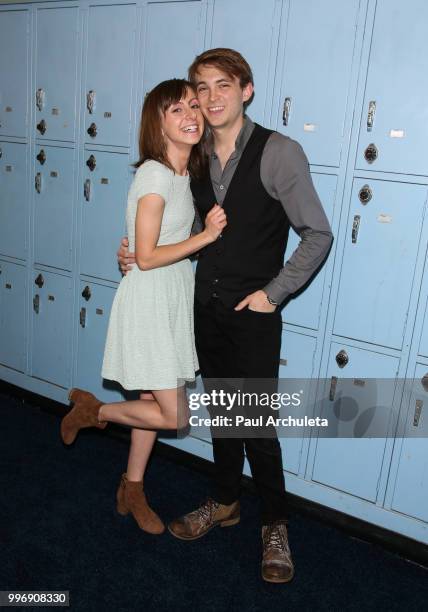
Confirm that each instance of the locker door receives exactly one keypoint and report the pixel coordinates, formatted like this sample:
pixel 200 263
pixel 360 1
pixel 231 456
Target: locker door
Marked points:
pixel 378 261
pixel 94 310
pixel 394 116
pixel 423 344
pixel 51 339
pixel 297 359
pixel 411 483
pixel 109 74
pixel 14 40
pixel 173 36
pixel 56 70
pixel 13 287
pixel 304 310
pixel 319 49
pixel 360 406
pixel 13 199
pixel 246 25
pixel 103 203
pixel 54 196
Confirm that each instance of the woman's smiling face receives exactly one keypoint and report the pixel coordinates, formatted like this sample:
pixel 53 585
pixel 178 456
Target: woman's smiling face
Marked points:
pixel 183 122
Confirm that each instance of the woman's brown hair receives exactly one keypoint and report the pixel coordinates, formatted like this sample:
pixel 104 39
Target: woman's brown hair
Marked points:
pixel 151 141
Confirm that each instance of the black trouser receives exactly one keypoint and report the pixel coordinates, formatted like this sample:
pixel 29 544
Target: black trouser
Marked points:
pixel 243 344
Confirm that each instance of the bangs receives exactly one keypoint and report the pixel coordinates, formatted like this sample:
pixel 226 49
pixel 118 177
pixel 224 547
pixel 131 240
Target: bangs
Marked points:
pixel 171 92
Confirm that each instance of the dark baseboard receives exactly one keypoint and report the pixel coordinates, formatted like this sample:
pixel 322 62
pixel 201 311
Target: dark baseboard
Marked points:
pixel 407 548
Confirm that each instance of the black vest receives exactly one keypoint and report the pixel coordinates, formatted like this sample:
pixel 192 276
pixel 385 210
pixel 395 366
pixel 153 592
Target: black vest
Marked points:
pixel 250 252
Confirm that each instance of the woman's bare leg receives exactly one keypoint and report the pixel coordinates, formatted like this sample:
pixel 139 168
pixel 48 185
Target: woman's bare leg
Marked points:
pixel 147 414
pixel 142 441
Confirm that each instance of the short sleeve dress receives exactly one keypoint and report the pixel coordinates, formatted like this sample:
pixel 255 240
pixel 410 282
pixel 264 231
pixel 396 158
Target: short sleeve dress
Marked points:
pixel 150 340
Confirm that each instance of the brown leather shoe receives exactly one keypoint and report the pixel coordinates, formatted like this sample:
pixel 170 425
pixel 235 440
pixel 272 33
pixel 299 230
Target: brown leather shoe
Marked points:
pixel 131 498
pixel 83 414
pixel 197 523
pixel 277 565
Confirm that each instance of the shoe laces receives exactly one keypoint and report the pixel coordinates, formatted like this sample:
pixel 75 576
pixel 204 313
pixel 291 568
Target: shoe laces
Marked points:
pixel 275 536
pixel 206 511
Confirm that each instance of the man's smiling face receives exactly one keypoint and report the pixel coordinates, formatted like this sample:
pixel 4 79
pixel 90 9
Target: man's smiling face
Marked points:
pixel 220 96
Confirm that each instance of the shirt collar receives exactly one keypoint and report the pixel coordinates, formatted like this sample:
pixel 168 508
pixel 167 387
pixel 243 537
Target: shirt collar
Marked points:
pixel 240 142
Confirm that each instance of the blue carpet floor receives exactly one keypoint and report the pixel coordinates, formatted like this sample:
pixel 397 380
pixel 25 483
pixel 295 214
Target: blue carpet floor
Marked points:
pixel 59 530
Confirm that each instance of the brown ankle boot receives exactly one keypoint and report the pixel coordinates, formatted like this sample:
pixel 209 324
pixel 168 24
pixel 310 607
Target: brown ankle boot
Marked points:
pixel 131 498
pixel 83 414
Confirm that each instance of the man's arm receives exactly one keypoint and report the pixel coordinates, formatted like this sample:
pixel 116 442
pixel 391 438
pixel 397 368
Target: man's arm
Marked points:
pixel 286 177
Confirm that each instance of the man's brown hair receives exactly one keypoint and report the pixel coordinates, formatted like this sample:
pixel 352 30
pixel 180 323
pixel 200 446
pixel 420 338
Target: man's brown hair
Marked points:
pixel 151 141
pixel 228 61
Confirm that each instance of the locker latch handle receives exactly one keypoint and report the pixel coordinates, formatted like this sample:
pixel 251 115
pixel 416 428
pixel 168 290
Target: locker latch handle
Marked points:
pixel 333 385
pixel 86 293
pixel 92 130
pixel 418 411
pixel 41 157
pixel 82 317
pixel 40 281
pixel 40 99
pixel 42 127
pixel 371 114
pixel 38 182
pixel 90 101
pixel 87 190
pixel 355 228
pixel 36 303
pixel 286 111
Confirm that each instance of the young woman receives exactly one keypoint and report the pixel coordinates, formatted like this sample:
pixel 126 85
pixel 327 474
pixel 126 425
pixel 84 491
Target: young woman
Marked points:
pixel 150 338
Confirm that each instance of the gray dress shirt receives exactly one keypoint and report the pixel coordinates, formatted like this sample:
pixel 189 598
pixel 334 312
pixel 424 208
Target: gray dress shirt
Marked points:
pixel 285 175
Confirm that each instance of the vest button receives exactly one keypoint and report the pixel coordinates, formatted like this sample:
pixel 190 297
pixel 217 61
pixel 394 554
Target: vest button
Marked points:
pixel 214 295
pixel 215 281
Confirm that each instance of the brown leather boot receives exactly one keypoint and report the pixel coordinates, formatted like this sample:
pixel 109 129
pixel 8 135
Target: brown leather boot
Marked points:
pixel 131 498
pixel 277 565
pixel 83 414
pixel 197 523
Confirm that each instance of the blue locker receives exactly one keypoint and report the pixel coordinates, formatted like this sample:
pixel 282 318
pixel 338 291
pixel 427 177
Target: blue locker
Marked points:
pixel 297 364
pixel 51 327
pixel 14 44
pixel 103 204
pixel 411 481
pixel 53 206
pixel 394 117
pixel 320 39
pixel 109 74
pixel 423 343
pixel 13 200
pixel 170 48
pixel 356 398
pixel 94 309
pixel 13 321
pixel 305 309
pixel 379 258
pixel 254 38
pixel 56 73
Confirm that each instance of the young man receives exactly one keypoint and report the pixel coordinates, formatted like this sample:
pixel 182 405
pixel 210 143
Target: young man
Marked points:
pixel 262 180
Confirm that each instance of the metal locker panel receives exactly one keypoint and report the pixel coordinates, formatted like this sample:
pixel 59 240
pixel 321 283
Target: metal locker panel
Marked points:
pixel 297 362
pixel 304 309
pixel 109 74
pixel 56 72
pixel 94 310
pixel 316 77
pixel 14 42
pixel 379 258
pixel 103 202
pixel 253 38
pixel 13 199
pixel 360 405
pixel 13 320
pixel 411 483
pixel 394 116
pixel 423 343
pixel 168 49
pixel 53 214
pixel 51 327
